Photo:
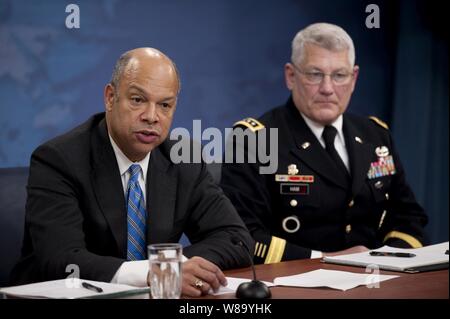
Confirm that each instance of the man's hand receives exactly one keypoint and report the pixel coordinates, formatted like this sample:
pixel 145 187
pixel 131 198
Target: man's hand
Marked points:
pixel 351 250
pixel 201 275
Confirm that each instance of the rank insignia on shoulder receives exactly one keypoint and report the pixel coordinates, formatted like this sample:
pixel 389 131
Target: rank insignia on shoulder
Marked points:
pixel 383 167
pixel 379 122
pixel 250 123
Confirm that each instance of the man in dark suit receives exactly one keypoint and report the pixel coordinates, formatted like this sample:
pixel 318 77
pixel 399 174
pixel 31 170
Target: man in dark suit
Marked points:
pixel 98 195
pixel 339 186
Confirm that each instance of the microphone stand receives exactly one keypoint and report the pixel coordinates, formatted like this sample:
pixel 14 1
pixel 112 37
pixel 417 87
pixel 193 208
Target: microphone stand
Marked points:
pixel 254 289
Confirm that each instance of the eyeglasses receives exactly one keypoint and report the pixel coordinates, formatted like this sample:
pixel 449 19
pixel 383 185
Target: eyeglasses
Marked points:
pixel 316 77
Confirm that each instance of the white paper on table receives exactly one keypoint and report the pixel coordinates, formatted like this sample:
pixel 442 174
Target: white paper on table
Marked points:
pixel 233 284
pixel 424 256
pixel 70 289
pixel 335 279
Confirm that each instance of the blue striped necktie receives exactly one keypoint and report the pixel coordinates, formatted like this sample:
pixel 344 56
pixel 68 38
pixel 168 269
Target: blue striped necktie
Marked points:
pixel 136 216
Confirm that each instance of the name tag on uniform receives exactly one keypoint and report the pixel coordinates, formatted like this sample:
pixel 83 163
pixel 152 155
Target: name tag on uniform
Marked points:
pixel 294 189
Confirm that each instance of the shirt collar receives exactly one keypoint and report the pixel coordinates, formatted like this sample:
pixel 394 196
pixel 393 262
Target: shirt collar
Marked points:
pixel 124 162
pixel 317 128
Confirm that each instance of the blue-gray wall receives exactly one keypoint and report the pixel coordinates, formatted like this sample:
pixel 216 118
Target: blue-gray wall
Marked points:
pixel 230 55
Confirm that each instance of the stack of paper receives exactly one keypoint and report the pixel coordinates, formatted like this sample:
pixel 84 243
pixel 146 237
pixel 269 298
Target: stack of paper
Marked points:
pixel 342 280
pixel 426 258
pixel 70 289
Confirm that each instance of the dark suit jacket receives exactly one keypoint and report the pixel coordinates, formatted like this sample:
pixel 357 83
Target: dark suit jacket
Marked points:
pixel 332 215
pixel 76 211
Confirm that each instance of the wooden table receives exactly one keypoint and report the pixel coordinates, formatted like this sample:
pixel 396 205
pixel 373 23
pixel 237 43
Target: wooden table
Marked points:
pixel 426 285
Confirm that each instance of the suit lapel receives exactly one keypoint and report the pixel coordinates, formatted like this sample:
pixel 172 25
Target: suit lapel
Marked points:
pixel 359 152
pixel 161 197
pixel 314 155
pixel 107 186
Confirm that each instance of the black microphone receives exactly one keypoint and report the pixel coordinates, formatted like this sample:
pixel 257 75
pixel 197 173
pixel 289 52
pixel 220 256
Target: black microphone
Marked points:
pixel 254 289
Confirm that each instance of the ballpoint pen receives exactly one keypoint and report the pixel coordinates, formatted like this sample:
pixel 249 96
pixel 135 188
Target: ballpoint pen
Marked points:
pixel 390 254
pixel 91 287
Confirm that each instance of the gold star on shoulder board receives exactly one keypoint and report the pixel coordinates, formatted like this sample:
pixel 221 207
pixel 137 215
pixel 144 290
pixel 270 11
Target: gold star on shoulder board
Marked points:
pixel 250 123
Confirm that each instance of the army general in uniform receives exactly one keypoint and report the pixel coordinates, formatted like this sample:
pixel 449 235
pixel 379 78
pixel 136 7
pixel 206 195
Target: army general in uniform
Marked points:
pixel 339 186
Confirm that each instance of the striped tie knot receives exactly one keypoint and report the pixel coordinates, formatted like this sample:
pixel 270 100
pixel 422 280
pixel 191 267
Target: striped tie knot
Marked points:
pixel 134 171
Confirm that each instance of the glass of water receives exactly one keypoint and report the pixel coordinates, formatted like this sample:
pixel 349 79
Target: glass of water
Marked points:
pixel 165 270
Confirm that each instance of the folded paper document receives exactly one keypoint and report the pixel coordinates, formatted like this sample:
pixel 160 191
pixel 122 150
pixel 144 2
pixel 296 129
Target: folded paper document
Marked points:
pixel 342 280
pixel 398 259
pixel 72 289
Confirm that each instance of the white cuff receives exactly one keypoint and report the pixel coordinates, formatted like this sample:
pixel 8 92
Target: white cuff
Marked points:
pixel 133 273
pixel 316 254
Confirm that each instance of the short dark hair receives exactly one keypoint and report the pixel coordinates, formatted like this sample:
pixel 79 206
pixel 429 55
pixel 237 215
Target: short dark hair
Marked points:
pixel 120 66
pixel 122 63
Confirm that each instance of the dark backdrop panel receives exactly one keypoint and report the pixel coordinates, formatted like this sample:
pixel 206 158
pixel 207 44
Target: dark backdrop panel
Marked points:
pixel 230 55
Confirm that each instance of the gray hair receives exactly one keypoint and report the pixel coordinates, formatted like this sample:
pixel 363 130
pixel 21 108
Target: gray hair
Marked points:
pixel 324 35
pixel 121 65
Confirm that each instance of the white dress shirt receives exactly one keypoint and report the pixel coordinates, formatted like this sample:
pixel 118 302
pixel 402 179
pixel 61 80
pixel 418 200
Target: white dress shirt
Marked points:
pixel 339 141
pixel 132 273
pixel 124 164
pixel 339 145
